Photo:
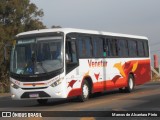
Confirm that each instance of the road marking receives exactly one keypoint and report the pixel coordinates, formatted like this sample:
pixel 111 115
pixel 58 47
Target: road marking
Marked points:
pixel 34 118
pixel 87 118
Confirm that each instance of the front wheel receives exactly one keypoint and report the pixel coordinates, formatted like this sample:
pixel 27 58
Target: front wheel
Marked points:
pixel 85 92
pixel 130 86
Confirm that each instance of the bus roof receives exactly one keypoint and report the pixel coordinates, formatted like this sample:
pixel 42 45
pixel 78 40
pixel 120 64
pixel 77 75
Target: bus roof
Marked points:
pixel 73 30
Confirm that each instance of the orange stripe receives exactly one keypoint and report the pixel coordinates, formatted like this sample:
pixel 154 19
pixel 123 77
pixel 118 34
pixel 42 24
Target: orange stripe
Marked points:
pixel 31 84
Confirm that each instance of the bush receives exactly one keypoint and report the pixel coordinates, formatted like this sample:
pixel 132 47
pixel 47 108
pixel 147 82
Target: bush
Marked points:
pixel 4 86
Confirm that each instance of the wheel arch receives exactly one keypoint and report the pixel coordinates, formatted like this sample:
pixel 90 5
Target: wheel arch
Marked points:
pixel 130 83
pixel 90 82
pixel 133 75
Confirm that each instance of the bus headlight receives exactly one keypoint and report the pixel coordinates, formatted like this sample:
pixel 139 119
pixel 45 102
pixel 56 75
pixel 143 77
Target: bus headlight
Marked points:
pixel 14 85
pixel 59 81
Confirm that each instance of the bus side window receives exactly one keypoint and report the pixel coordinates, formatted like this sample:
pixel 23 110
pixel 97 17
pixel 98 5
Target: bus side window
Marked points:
pixel 122 48
pixel 105 48
pixel 71 55
pixel 85 47
pixel 98 47
pixel 113 48
pixel 132 46
pixel 140 49
pixel 146 50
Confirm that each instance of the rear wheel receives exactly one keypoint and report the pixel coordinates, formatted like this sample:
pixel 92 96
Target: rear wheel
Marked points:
pixel 42 101
pixel 121 90
pixel 130 86
pixel 85 92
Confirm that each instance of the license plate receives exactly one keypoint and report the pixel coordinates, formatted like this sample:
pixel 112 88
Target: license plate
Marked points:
pixel 33 95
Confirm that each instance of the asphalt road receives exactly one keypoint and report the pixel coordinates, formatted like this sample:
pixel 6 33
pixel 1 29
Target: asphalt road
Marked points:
pixel 144 98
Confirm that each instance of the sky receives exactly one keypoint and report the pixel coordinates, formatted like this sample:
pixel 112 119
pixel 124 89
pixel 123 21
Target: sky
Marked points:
pixel 137 17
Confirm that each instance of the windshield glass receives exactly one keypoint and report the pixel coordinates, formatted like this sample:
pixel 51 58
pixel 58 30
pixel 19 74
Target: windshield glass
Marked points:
pixel 37 55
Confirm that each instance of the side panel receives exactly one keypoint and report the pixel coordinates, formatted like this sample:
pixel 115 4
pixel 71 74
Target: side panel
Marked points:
pixel 73 82
pixel 143 72
pixel 108 74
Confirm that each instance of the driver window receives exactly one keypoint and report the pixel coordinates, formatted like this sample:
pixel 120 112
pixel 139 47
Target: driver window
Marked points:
pixel 71 55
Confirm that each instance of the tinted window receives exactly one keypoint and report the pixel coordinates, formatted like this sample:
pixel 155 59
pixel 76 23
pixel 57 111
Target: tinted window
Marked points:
pixel 106 48
pixel 97 47
pixel 122 48
pixel 71 55
pixel 113 48
pixel 145 44
pixel 140 49
pixel 132 46
pixel 85 47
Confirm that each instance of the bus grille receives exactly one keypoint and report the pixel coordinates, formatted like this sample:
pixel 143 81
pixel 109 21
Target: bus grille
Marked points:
pixel 33 88
pixel 41 94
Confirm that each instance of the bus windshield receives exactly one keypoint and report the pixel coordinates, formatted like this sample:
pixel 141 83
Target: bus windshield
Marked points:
pixel 37 55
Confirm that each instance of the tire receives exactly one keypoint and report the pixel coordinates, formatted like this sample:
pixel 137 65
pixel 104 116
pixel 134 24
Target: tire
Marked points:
pixel 121 90
pixel 85 92
pixel 130 84
pixel 42 101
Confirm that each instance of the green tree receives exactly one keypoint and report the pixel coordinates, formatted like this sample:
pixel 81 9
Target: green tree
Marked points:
pixel 56 26
pixel 16 16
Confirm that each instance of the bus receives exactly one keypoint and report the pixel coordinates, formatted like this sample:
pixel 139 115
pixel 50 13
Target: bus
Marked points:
pixel 67 62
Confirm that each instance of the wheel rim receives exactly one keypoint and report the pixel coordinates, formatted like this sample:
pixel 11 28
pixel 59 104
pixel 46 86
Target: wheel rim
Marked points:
pixel 85 91
pixel 131 83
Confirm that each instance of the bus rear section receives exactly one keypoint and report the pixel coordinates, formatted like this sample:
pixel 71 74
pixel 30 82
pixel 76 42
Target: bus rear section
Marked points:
pixel 108 62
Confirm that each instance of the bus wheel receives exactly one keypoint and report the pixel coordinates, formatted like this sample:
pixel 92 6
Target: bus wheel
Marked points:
pixel 42 101
pixel 85 92
pixel 130 86
pixel 121 90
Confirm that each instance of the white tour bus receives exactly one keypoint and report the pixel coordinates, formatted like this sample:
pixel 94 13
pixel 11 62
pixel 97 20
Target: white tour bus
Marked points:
pixel 66 62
